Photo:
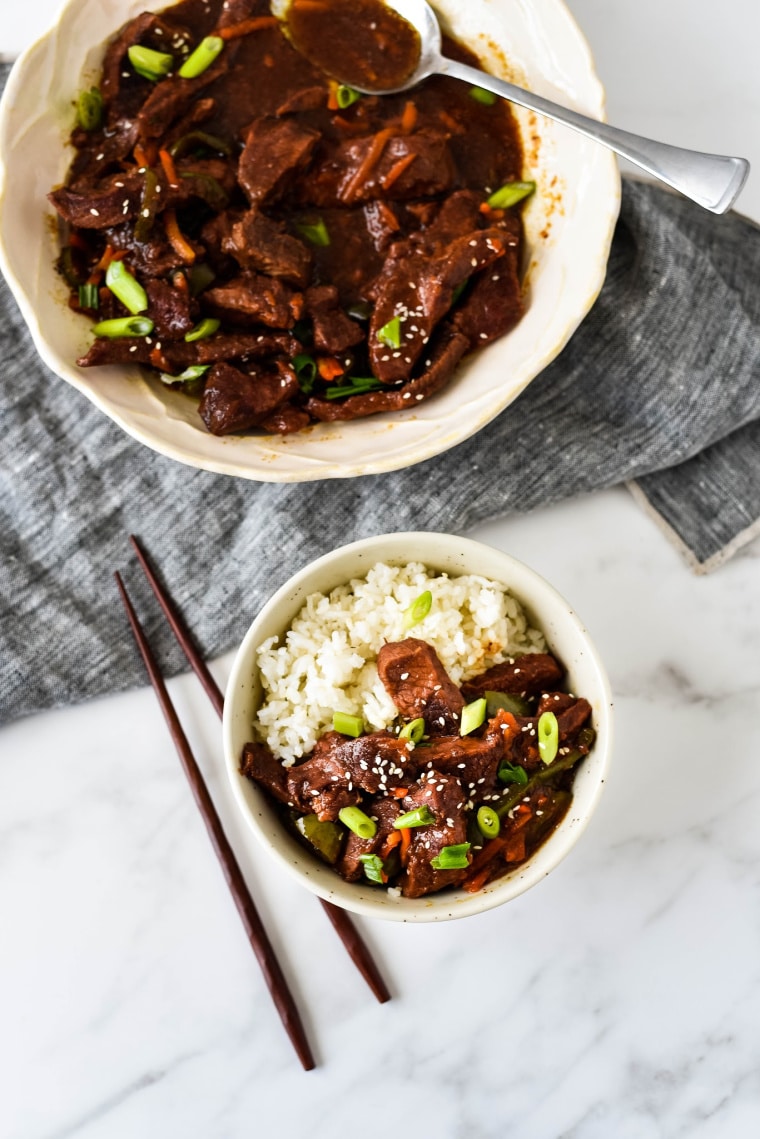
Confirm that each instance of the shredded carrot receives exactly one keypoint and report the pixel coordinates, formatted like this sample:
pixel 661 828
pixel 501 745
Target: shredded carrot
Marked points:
pixel 179 244
pixel 310 5
pixel 180 282
pixel 397 170
pixel 329 368
pixel 158 360
pixel 399 792
pixel 169 169
pixel 515 848
pixel 245 27
pixel 145 157
pixel 77 241
pixel 477 881
pixel 109 255
pixel 450 122
pixel 268 60
pixel 406 842
pixel 371 158
pixel 332 96
pixel 387 214
pixel 409 117
pixel 393 839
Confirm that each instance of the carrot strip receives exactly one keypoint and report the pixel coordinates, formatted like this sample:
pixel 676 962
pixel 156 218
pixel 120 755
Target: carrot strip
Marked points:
pixel 409 117
pixel 329 368
pixel 399 792
pixel 169 169
pixel 477 881
pixel 406 842
pixel 109 255
pixel 371 158
pixel 393 839
pixel 397 170
pixel 179 244
pixel 515 848
pixel 145 157
pixel 158 360
pixel 450 122
pixel 245 27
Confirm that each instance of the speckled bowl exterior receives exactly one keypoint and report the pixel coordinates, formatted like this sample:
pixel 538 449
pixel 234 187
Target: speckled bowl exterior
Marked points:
pixel 546 609
pixel 569 225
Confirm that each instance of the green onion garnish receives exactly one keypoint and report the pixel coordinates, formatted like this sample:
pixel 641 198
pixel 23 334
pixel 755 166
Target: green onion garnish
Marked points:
pixel 153 65
pixel 90 109
pixel 123 326
pixel 373 867
pixel 357 386
pixel 510 702
pixel 194 372
pixel 126 287
pixel 511 194
pixel 348 725
pixel 358 822
pixel 203 56
pixel 452 857
pixel 547 731
pixel 205 328
pixel 345 96
pixel 473 715
pixel 418 610
pixel 480 95
pixel 89 297
pixel 489 823
pixel 315 232
pixel 305 368
pixel 419 817
pixel 413 731
pixel 513 773
pixel 390 333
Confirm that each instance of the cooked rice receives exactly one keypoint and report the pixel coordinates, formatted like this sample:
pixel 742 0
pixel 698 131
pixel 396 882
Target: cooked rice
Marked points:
pixel 327 663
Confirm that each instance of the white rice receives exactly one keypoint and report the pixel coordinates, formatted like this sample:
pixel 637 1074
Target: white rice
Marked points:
pixel 327 662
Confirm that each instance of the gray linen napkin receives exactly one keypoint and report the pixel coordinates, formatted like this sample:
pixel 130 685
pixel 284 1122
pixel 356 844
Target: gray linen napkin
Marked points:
pixel 659 384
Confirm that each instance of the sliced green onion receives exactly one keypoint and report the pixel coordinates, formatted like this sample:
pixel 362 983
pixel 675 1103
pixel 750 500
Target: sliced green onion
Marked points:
pixel 513 773
pixel 473 715
pixel 194 372
pixel 153 65
pixel 452 857
pixel 196 139
pixel 315 232
pixel 413 731
pixel 357 386
pixel 89 297
pixel 348 725
pixel 418 610
pixel 205 328
pixel 345 96
pixel 90 109
pixel 517 705
pixel 123 326
pixel 419 817
pixel 547 731
pixel 305 368
pixel 390 333
pixel 489 823
pixel 373 867
pixel 126 287
pixel 510 194
pixel 200 59
pixel 199 278
pixel 480 95
pixel 358 822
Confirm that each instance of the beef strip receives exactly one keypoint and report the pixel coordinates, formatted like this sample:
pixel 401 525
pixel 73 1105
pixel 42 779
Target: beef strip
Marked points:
pixel 526 675
pixel 493 304
pixel 243 346
pixel 172 98
pixel 100 207
pixel 258 763
pixel 258 242
pixel 236 401
pixel 475 760
pixel 445 797
pixel 253 298
pixel 419 685
pixel 340 768
pixel 307 99
pixel 170 309
pixel 334 331
pixel 572 713
pixel 384 811
pixel 275 150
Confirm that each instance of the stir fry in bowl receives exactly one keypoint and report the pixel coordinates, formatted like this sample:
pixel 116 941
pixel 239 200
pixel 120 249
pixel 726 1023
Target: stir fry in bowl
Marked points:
pixel 415 732
pixel 276 245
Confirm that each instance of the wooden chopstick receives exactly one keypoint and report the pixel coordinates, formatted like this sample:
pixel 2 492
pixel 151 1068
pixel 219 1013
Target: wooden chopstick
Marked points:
pixel 257 935
pixel 341 922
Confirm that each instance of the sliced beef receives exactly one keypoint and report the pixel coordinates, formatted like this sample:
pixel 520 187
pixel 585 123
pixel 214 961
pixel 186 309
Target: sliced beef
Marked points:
pixel 258 242
pixel 334 331
pixel 258 763
pixel 474 760
pixel 137 350
pixel 493 304
pixel 573 713
pixel 122 89
pixel 398 167
pixel 419 685
pixel 100 207
pixel 253 298
pixel 308 99
pixel 526 675
pixel 445 797
pixel 340 768
pixel 286 420
pixel 170 309
pixel 172 98
pixel 384 811
pixel 236 401
pixel 275 150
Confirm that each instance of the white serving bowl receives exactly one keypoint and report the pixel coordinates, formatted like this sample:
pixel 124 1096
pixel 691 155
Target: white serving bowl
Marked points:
pixel 569 225
pixel 546 609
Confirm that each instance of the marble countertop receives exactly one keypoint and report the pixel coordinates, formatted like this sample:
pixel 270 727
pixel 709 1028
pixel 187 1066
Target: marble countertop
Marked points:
pixel 619 999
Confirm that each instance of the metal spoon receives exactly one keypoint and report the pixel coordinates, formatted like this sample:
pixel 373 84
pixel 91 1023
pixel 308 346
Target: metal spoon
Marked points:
pixel 712 180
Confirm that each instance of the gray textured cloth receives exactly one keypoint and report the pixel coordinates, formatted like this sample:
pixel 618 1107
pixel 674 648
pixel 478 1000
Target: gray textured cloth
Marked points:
pixel 660 384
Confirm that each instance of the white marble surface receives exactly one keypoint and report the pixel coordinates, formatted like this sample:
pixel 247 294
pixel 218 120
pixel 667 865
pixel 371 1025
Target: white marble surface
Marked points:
pixel 620 999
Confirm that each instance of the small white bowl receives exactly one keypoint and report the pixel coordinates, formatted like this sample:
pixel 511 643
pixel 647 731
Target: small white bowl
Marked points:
pixel 569 224
pixel 546 609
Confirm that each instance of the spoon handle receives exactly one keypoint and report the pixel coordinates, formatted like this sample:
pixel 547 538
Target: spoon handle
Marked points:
pixel 712 180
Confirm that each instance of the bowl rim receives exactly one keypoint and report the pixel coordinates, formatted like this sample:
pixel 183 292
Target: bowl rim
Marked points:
pixel 370 902
pixel 267 466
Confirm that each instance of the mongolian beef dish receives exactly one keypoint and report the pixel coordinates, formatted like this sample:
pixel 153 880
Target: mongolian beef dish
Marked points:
pixel 463 785
pixel 270 241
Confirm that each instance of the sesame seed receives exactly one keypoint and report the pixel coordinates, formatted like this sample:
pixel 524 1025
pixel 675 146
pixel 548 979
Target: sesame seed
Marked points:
pixel 404 676
pixel 94 212
pixel 474 262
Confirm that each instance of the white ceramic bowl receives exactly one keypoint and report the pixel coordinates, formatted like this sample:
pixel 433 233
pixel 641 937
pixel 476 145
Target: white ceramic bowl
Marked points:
pixel 569 225
pixel 566 637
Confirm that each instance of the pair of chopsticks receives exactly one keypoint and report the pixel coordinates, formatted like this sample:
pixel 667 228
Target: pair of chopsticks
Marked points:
pixel 257 935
